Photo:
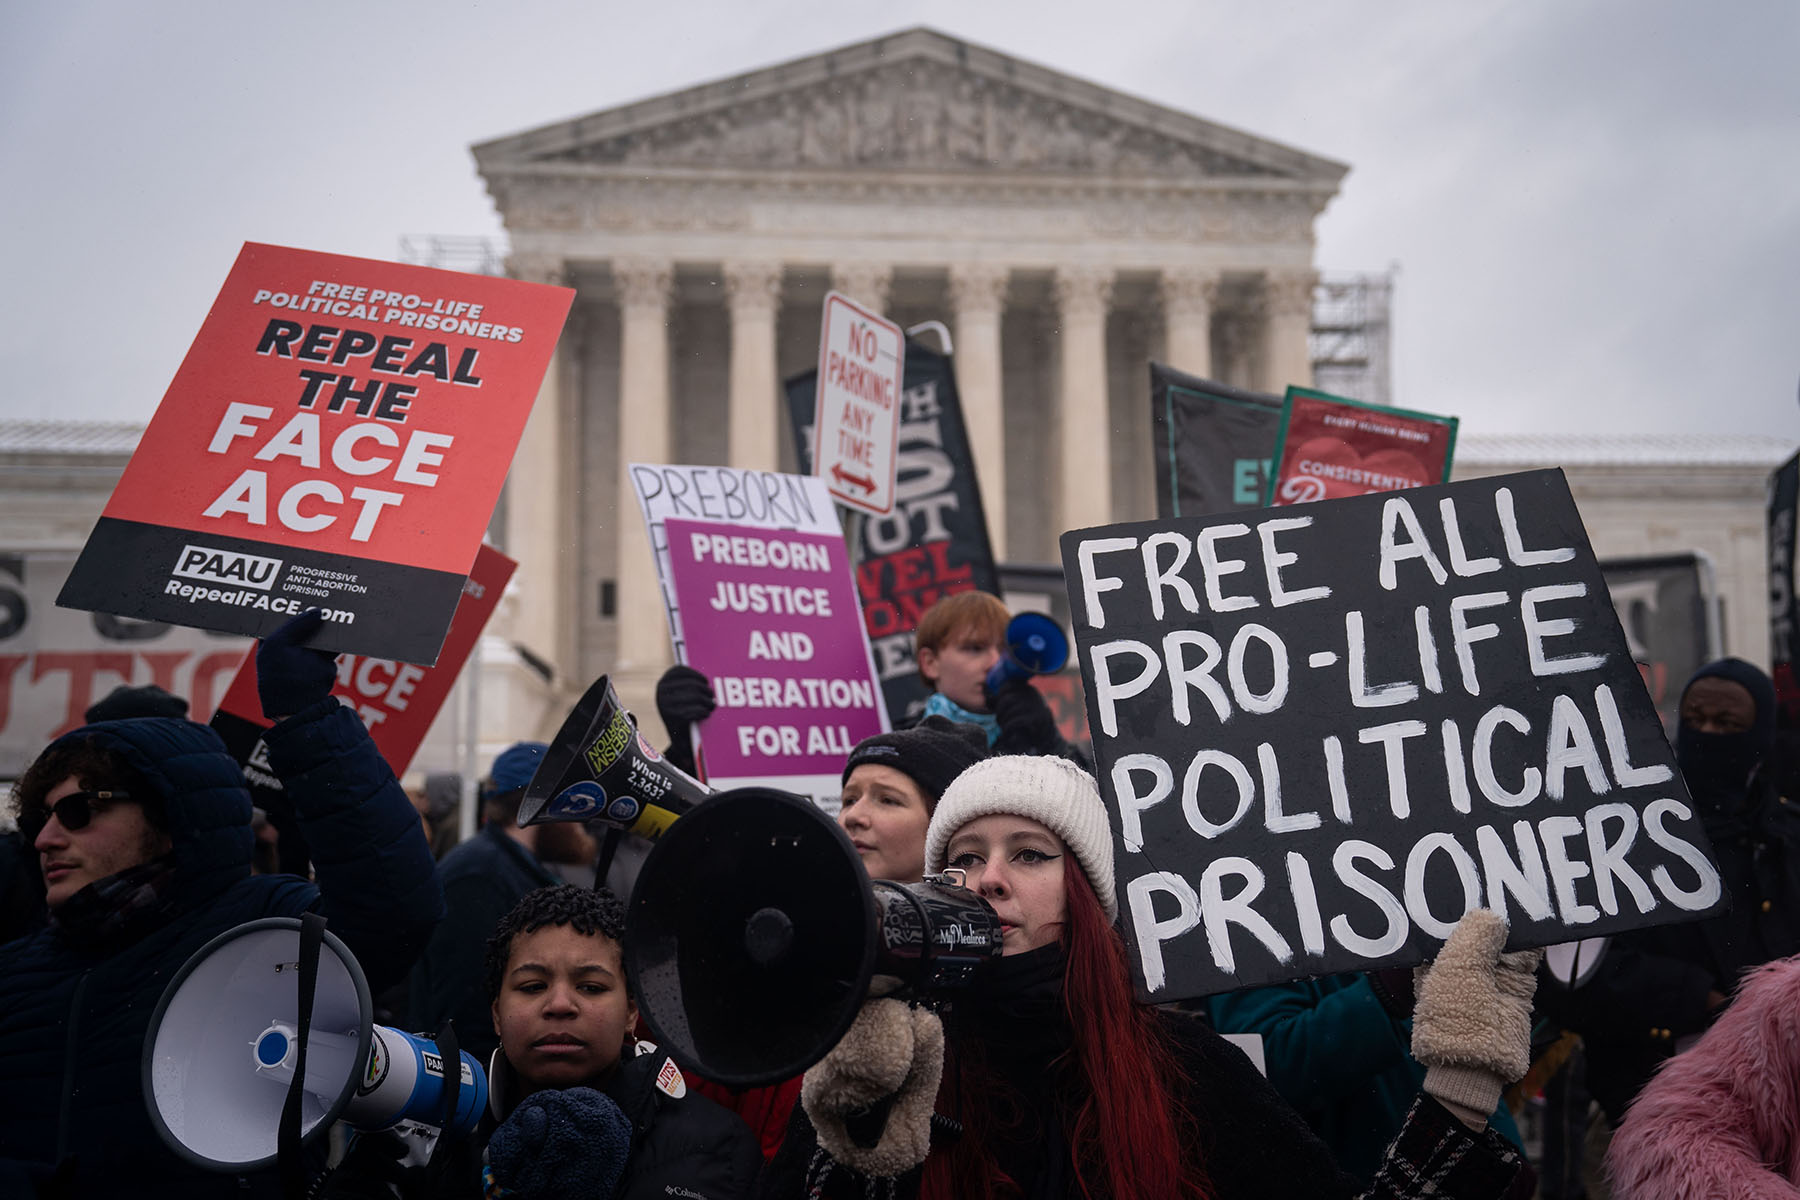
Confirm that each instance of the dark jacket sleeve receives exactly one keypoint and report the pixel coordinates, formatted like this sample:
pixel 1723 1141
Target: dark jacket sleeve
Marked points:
pixel 378 885
pixel 1436 1155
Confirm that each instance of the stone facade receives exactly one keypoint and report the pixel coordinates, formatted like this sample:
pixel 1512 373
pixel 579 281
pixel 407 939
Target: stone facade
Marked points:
pixel 1064 232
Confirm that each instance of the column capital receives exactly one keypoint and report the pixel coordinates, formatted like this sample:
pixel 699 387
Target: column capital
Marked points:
pixel 1083 291
pixel 643 282
pixel 1289 293
pixel 538 268
pixel 1189 291
pixel 978 287
pixel 752 285
pixel 865 282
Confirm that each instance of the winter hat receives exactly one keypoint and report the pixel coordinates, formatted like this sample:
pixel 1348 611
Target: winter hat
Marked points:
pixel 124 702
pixel 1054 792
pixel 514 766
pixel 931 753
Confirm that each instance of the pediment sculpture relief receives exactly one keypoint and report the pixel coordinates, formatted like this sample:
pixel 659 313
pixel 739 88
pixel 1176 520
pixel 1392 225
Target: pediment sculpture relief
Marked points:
pixel 921 115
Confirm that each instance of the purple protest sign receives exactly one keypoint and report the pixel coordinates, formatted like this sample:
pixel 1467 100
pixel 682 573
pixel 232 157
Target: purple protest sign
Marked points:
pixel 772 617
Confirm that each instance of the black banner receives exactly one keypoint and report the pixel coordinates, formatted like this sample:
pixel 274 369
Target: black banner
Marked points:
pixel 1327 731
pixel 1784 606
pixel 1665 608
pixel 1212 443
pixel 383 609
pixel 935 543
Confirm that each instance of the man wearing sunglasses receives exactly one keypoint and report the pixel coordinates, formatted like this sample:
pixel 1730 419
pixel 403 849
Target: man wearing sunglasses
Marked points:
pixel 142 833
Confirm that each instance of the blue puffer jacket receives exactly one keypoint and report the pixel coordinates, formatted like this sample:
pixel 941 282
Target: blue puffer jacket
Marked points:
pixel 73 1019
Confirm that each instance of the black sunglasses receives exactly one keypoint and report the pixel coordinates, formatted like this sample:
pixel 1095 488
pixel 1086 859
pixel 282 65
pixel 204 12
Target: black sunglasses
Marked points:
pixel 73 811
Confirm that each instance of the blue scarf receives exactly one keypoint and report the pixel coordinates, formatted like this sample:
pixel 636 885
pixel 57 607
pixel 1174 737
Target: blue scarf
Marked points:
pixel 940 705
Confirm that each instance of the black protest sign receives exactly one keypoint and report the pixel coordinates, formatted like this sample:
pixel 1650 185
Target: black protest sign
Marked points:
pixel 1325 731
pixel 1211 443
pixel 935 542
pixel 1784 601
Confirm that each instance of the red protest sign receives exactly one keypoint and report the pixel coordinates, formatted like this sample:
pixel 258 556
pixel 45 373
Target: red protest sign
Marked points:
pixel 336 438
pixel 1329 448
pixel 396 700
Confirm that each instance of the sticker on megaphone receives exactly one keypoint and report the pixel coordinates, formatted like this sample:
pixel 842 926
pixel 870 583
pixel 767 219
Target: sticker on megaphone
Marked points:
pixel 600 768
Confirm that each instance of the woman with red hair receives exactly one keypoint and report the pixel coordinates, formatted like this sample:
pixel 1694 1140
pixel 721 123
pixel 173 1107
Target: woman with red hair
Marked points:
pixel 1047 1079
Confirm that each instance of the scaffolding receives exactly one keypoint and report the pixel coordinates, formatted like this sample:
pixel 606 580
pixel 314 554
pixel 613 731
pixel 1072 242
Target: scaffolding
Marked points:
pixel 1351 334
pixel 448 252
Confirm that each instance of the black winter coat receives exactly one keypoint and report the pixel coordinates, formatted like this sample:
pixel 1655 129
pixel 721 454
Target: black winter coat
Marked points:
pixel 1250 1142
pixel 73 1017
pixel 1650 989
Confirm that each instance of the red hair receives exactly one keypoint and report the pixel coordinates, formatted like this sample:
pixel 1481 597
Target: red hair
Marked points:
pixel 1128 1134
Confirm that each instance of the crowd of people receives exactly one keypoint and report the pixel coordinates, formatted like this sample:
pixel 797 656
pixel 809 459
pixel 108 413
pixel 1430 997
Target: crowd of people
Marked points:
pixel 136 840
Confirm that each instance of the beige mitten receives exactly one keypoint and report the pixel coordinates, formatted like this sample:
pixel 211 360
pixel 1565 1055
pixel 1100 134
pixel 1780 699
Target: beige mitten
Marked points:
pixel 893 1054
pixel 1472 1024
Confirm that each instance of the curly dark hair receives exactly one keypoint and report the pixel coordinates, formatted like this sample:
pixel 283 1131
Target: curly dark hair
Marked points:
pixel 592 912
pixel 95 766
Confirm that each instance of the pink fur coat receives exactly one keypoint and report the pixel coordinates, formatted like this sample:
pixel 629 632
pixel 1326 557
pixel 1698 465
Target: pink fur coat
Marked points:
pixel 1723 1119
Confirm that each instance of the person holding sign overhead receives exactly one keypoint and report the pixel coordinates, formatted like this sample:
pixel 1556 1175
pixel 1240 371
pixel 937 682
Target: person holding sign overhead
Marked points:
pixel 142 829
pixel 1046 1079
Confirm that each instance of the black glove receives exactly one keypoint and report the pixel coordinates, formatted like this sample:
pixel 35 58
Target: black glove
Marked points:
pixel 1393 986
pixel 683 696
pixel 290 675
pixel 1026 724
pixel 372 1170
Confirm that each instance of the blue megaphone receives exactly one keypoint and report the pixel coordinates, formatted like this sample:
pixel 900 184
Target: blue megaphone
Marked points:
pixel 1035 645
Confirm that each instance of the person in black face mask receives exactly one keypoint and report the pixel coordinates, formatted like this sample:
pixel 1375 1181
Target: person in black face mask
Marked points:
pixel 1657 990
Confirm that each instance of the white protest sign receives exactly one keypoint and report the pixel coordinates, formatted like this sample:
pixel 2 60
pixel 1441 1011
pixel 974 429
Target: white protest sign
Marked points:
pixel 862 360
pixel 758 559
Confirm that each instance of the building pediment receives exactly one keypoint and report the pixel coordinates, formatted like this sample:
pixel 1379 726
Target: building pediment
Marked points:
pixel 917 101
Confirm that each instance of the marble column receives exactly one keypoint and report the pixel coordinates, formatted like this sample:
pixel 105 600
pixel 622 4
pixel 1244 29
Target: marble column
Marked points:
pixel 644 286
pixel 866 283
pixel 978 296
pixel 1188 297
pixel 753 294
pixel 1287 329
pixel 1082 297
pixel 537 524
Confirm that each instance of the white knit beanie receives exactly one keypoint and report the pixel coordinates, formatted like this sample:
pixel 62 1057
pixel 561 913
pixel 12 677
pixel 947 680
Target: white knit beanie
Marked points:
pixel 1054 792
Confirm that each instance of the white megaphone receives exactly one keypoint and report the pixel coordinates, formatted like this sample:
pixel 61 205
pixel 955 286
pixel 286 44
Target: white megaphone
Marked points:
pixel 223 1044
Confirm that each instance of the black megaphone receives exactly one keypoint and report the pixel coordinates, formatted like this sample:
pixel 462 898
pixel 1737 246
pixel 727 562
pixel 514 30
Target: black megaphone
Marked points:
pixel 600 768
pixel 754 935
pixel 1035 645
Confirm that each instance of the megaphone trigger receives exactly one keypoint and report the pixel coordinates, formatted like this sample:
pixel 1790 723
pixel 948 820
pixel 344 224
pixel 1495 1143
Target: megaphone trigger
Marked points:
pixel 1035 645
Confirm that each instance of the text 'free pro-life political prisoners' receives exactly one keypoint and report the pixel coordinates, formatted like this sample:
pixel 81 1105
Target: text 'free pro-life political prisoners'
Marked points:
pixel 1327 731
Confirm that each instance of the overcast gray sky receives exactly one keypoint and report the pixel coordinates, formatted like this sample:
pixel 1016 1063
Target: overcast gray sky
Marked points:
pixel 1594 207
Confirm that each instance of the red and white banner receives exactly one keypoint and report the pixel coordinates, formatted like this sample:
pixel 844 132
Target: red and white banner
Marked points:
pixel 396 700
pixel 54 662
pixel 336 438
pixel 1330 448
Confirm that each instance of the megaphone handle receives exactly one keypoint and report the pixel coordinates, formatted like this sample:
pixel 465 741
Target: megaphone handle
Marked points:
pixel 287 1145
pixel 437 1167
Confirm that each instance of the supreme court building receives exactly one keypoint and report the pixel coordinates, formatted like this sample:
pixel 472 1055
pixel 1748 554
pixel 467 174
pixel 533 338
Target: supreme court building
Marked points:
pixel 1063 232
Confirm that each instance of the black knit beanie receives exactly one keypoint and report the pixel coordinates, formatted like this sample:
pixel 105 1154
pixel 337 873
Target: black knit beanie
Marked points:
pixel 931 753
pixel 124 703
